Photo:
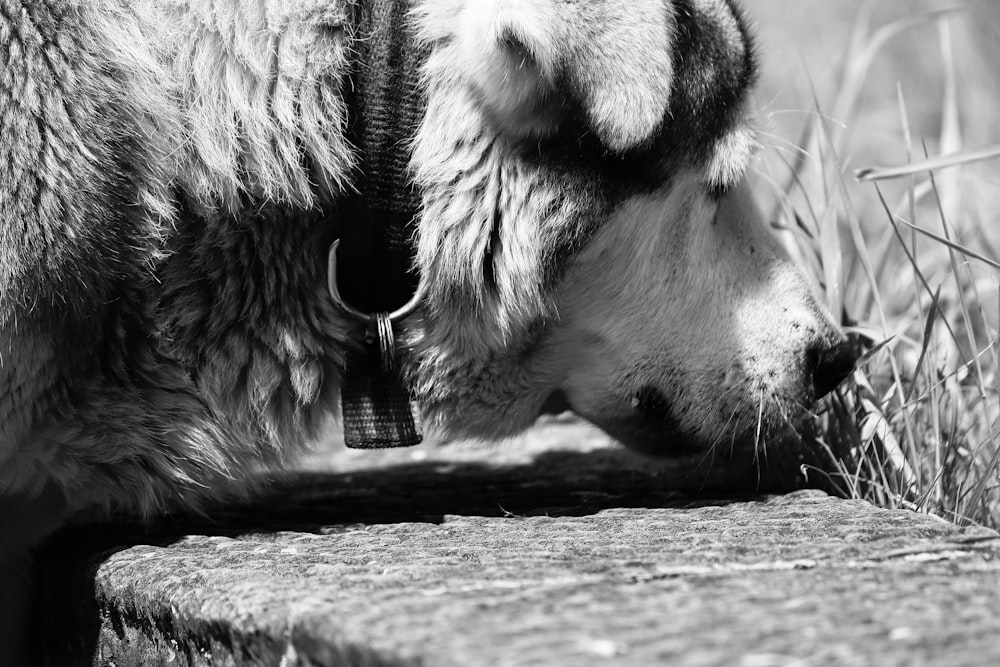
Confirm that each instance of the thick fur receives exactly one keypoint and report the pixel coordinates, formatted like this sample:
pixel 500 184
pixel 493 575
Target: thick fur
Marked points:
pixel 169 175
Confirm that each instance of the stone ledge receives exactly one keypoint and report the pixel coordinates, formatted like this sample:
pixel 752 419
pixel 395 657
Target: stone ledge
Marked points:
pixel 565 561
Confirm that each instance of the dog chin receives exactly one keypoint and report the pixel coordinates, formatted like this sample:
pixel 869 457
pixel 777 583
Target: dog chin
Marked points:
pixel 654 440
pixel 664 437
pixel 660 442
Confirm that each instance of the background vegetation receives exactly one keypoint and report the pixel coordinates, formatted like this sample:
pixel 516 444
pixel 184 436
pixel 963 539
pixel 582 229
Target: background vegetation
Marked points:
pixel 908 256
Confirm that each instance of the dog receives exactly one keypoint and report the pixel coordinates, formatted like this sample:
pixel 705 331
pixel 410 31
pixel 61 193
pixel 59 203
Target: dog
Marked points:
pixel 172 175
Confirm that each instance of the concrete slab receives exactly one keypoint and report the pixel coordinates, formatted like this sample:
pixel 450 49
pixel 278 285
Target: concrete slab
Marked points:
pixel 564 560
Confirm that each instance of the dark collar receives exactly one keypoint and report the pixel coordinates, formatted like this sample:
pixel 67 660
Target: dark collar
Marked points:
pixel 376 225
pixel 386 106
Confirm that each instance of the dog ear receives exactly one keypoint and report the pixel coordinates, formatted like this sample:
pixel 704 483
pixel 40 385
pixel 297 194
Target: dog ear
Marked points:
pixel 528 60
pixel 621 67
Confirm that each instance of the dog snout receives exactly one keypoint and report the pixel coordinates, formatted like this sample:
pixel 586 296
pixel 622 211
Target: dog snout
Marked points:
pixel 829 364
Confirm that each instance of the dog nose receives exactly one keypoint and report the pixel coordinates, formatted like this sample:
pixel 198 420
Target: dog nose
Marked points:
pixel 830 365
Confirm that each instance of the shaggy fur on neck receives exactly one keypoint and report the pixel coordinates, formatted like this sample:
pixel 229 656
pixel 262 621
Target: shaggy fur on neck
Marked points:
pixel 259 86
pixel 170 159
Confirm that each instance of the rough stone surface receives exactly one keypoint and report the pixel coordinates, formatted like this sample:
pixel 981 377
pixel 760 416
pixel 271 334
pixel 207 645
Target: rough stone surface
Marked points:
pixel 565 560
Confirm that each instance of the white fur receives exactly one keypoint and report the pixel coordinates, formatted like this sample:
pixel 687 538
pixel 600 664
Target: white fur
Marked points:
pixel 731 158
pixel 731 344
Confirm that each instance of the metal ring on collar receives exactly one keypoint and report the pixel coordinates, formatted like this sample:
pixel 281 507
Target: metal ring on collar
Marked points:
pixel 397 315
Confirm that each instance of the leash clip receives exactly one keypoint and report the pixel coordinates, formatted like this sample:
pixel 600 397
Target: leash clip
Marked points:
pixel 394 317
pixel 378 326
pixel 375 403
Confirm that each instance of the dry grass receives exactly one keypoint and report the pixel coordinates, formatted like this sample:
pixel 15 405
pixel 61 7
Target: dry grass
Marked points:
pixel 909 256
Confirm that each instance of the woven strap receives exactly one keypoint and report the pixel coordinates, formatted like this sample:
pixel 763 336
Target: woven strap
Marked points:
pixel 376 406
pixel 376 225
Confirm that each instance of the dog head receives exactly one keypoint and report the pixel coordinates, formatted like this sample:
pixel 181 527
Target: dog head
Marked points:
pixel 587 233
